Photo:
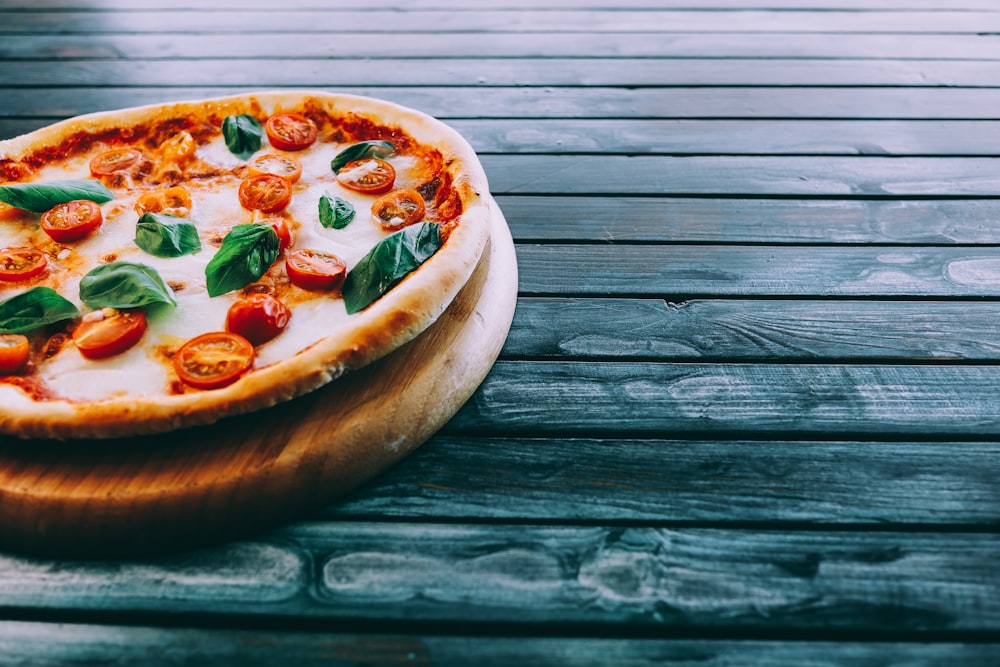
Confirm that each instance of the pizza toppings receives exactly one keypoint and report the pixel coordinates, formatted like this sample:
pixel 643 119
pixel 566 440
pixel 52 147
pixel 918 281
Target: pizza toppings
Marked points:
pixel 258 318
pixel 163 235
pixel 242 134
pixel 107 332
pixel 33 309
pixel 175 200
pixel 391 260
pixel 360 150
pixel 14 352
pixel 285 166
pixel 281 228
pixel 265 192
pixel 246 254
pixel 398 209
pixel 315 270
pixel 72 221
pixel 117 159
pixel 17 264
pixel 290 131
pixel 124 285
pixel 334 212
pixel 213 360
pixel 372 176
pixel 40 197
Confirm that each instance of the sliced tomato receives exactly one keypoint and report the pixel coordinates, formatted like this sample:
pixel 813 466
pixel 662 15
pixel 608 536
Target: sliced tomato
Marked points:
pixel 21 263
pixel 14 352
pixel 281 228
pixel 213 360
pixel 105 333
pixel 290 131
pixel 116 159
pixel 285 166
pixel 315 270
pixel 174 200
pixel 258 318
pixel 72 221
pixel 370 175
pixel 265 192
pixel 398 209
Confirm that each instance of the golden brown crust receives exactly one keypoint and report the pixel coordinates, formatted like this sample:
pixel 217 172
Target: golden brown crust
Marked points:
pixel 400 315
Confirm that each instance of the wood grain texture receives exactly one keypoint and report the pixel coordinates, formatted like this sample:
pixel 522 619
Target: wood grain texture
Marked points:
pixel 759 330
pixel 767 482
pixel 528 103
pixel 524 575
pixel 204 484
pixel 42 645
pixel 458 45
pixel 680 272
pixel 269 72
pixel 518 20
pixel 689 399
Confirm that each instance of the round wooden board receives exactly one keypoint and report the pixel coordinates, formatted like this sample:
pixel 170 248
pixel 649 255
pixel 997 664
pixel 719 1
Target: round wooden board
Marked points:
pixel 200 485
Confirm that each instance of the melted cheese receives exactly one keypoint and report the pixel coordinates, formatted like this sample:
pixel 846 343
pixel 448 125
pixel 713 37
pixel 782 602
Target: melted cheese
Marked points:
pixel 144 370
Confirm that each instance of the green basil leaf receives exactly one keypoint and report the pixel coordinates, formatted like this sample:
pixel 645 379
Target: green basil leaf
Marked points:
pixel 335 212
pixel 243 135
pixel 246 254
pixel 33 309
pixel 40 197
pixel 361 150
pixel 124 285
pixel 389 262
pixel 163 235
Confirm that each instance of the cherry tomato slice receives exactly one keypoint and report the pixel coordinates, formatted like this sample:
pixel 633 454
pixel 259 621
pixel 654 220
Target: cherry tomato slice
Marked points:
pixel 285 166
pixel 370 175
pixel 258 318
pixel 315 270
pixel 265 192
pixel 105 333
pixel 290 131
pixel 21 263
pixel 71 221
pixel 14 352
pixel 398 209
pixel 213 360
pixel 117 159
pixel 281 228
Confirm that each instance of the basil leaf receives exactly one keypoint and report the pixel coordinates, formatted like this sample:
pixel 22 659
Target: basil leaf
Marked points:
pixel 40 197
pixel 124 285
pixel 246 254
pixel 33 309
pixel 243 135
pixel 361 150
pixel 335 212
pixel 389 262
pixel 163 235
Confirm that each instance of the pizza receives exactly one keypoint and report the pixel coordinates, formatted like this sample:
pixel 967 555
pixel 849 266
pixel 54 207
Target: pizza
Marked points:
pixel 168 266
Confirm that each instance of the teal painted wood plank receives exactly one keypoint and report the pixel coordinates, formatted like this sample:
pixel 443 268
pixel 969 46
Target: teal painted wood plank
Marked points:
pixel 645 72
pixel 515 20
pixel 411 44
pixel 759 330
pixel 637 578
pixel 677 272
pixel 576 102
pixel 787 484
pixel 623 219
pixel 669 399
pixel 26 644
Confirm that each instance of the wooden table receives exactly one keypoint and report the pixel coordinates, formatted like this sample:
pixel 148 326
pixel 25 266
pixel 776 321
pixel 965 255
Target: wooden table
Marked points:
pixel 748 410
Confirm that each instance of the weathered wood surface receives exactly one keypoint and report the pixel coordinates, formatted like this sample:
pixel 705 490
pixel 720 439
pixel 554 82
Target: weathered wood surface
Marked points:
pixel 747 411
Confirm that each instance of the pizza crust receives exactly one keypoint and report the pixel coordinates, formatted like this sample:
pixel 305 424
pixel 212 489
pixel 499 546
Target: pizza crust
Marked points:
pixel 396 318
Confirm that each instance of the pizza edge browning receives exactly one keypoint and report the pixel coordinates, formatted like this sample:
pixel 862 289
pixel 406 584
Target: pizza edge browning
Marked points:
pixel 397 317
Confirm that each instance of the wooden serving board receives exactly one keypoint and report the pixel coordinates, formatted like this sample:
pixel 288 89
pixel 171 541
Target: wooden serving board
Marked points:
pixel 199 485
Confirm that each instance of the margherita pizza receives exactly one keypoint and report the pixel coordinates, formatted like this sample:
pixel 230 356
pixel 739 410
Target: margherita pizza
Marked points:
pixel 167 266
